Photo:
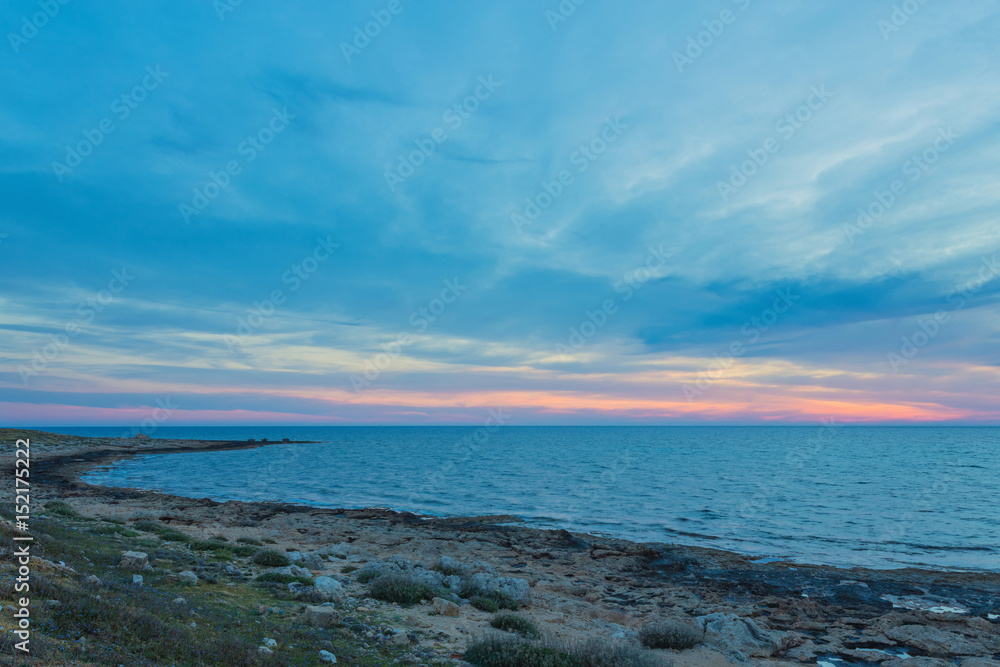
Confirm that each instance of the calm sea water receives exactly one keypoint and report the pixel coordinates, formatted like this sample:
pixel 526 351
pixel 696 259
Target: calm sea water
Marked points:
pixel 871 496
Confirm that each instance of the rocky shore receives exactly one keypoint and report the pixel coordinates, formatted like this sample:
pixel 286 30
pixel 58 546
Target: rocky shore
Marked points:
pixel 337 572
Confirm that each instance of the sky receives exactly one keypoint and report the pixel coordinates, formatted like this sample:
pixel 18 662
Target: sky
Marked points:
pixel 576 212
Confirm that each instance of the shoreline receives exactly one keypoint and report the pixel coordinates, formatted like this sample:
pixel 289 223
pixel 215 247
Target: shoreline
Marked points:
pixel 583 584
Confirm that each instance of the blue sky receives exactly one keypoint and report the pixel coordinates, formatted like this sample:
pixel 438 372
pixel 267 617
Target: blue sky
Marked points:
pixel 615 214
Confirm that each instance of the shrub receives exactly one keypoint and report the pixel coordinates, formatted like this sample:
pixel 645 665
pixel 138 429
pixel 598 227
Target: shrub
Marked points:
pixel 148 526
pixel 401 589
pixel 268 540
pixel 220 537
pixel 270 558
pixel 243 550
pixel 519 625
pixel 208 545
pixel 507 651
pixel 485 604
pixel 61 508
pixel 347 569
pixel 502 600
pixel 250 540
pixel 171 535
pixel 449 570
pixel 278 578
pixel 670 634
pixel 366 576
pixel 598 652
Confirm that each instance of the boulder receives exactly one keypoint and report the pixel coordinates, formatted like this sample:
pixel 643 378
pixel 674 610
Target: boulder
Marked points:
pixel 326 656
pixel 934 641
pixel 311 562
pixel 92 580
pixel 444 607
pixel 429 577
pixel 517 589
pixel 375 569
pixel 451 565
pixel 321 617
pixel 739 638
pixel 133 560
pixel 329 588
pixel 187 577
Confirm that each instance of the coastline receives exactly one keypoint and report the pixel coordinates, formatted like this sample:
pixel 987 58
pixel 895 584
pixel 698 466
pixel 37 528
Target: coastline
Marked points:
pixel 577 585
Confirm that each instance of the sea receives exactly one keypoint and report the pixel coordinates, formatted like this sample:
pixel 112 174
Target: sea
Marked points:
pixel 877 497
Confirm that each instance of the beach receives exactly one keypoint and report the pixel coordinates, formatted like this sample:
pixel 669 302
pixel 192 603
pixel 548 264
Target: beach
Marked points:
pixel 572 587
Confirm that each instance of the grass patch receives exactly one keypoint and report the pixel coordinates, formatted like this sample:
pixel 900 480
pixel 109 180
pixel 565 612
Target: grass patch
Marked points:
pixel 515 623
pixel 171 535
pixel 250 540
pixel 61 508
pixel 347 569
pixel 149 526
pixel 209 545
pixel 449 571
pixel 497 651
pixel 270 558
pixel 400 589
pixel 268 540
pixel 485 604
pixel 278 578
pixel 501 600
pixel 220 538
pixel 670 634
pixel 243 550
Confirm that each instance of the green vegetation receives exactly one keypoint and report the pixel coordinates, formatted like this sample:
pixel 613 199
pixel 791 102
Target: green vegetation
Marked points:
pixel 348 569
pixel 512 651
pixel 270 558
pixel 277 578
pixel 401 589
pixel 61 508
pixel 515 623
pixel 249 540
pixel 209 545
pixel 670 634
pixel 501 600
pixel 485 604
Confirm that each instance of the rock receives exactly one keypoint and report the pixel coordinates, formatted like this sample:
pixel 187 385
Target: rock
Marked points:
pixel 450 565
pixel 92 581
pixel 265 651
pixel 137 579
pixel 293 556
pixel 312 562
pixel 739 638
pixel 52 603
pixel 918 661
pixel 401 639
pixel 517 589
pixel 299 571
pixel 453 582
pixel 326 656
pixel 179 601
pixel 187 577
pixel 375 569
pixel 980 662
pixel 444 607
pixel 270 643
pixel 133 560
pixel 321 617
pixel 429 577
pixel 934 641
pixel 329 588
pixel 403 563
pixel 194 626
pixel 804 653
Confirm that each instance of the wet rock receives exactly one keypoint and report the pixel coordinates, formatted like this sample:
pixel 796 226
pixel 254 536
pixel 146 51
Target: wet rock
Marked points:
pixel 739 638
pixel 321 617
pixel 934 641
pixel 187 577
pixel 133 560
pixel 444 607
